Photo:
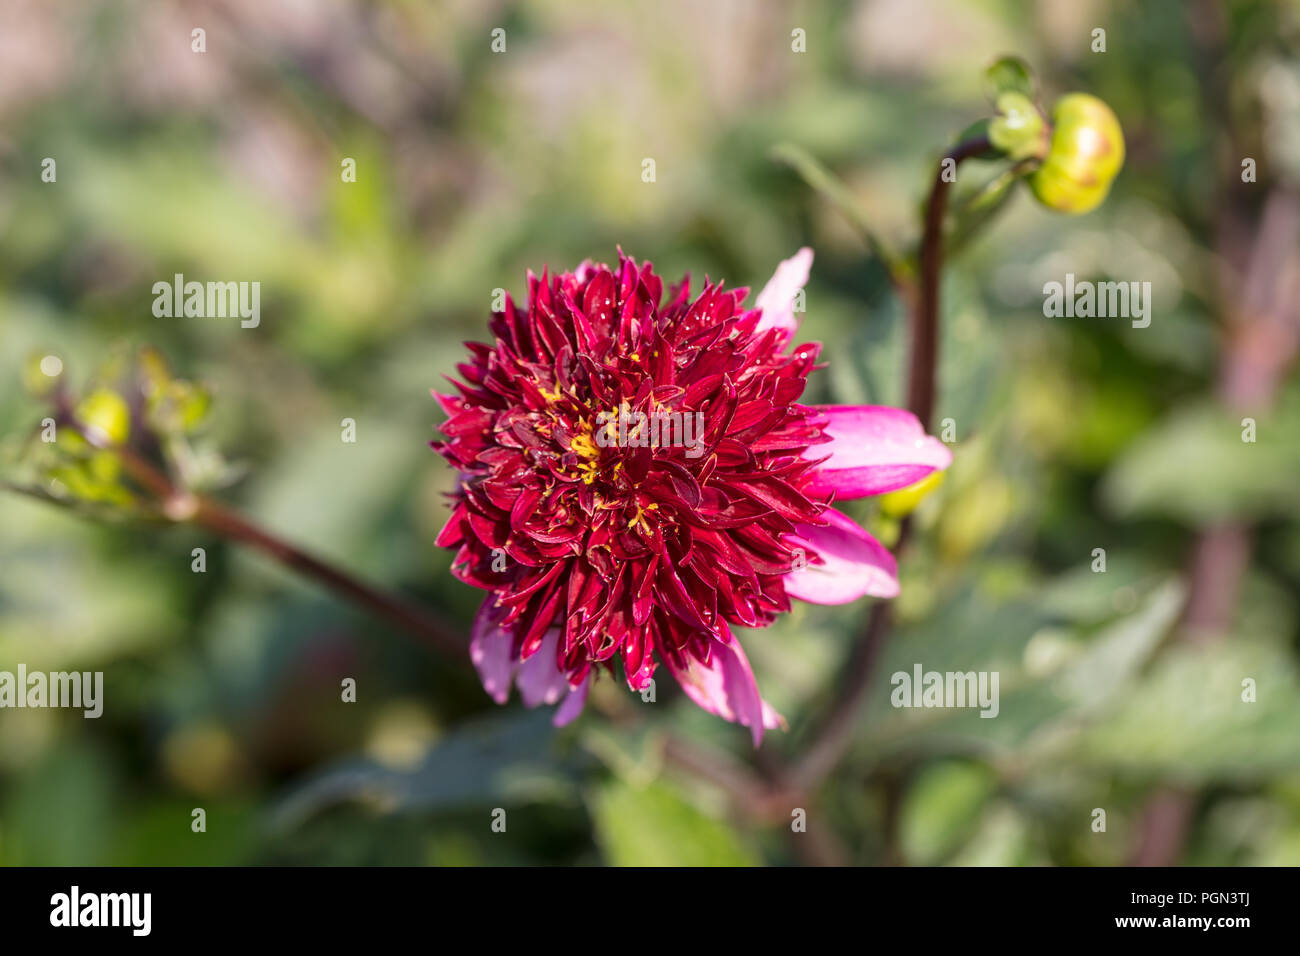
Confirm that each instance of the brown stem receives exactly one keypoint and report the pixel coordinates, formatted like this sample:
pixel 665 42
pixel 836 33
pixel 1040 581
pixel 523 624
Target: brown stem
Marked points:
pixel 401 614
pixel 748 792
pixel 924 361
pixel 181 506
pixel 1163 827
pixel 836 732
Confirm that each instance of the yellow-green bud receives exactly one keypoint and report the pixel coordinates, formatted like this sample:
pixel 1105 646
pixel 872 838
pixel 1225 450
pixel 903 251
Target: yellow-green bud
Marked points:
pixel 1086 153
pixel 105 414
pixel 1018 130
pixel 900 503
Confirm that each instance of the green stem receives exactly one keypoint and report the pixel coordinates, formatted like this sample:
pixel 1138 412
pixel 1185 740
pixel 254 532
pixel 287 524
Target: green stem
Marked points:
pixel 811 171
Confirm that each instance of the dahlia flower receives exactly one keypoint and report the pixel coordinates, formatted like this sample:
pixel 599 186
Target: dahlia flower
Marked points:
pixel 599 539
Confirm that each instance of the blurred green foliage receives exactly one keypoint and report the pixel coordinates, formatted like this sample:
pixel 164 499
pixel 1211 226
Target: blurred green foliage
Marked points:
pixel 222 688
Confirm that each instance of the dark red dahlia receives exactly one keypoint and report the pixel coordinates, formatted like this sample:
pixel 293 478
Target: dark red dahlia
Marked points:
pixel 637 477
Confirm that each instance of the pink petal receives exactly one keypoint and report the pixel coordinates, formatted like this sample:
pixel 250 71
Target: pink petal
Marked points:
pixel 856 564
pixel 491 648
pixel 772 719
pixel 726 687
pixel 777 298
pixel 572 706
pixel 873 449
pixel 540 680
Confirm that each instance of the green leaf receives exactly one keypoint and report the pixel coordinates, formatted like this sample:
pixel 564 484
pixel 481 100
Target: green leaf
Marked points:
pixel 942 808
pixel 506 756
pixel 1018 130
pixel 1196 466
pixel 653 826
pixel 1047 674
pixel 1188 721
pixel 60 813
pixel 1003 838
pixel 1009 74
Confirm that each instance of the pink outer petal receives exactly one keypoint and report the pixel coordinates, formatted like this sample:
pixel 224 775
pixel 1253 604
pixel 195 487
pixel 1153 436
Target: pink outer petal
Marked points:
pixel 873 449
pixel 856 564
pixel 540 680
pixel 573 704
pixel 491 648
pixel 777 298
pixel 726 687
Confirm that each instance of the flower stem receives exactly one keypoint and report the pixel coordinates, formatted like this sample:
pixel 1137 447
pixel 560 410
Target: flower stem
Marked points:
pixel 398 612
pixel 836 732
pixel 182 506
pixel 924 362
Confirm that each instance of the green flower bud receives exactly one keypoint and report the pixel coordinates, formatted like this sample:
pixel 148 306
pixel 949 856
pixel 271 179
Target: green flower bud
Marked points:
pixel 1086 153
pixel 106 416
pixel 1018 130
pixel 178 407
pixel 153 371
pixel 93 480
pixel 900 503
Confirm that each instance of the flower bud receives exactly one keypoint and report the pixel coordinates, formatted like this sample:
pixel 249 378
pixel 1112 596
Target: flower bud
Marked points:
pixel 1086 153
pixel 901 503
pixel 1018 130
pixel 105 415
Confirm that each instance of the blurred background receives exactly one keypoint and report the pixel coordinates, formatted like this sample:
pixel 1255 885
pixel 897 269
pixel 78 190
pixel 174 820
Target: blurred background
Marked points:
pixel 1120 690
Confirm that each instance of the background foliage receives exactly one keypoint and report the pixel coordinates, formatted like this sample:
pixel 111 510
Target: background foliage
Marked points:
pixel 223 688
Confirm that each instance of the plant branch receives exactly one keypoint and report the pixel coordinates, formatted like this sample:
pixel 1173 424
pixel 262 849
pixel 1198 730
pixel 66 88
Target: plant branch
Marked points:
pixel 834 736
pixel 182 506
pixel 925 318
pixel 400 613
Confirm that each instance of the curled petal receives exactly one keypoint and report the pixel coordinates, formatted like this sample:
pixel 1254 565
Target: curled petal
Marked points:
pixel 726 687
pixel 572 706
pixel 540 679
pixel 854 564
pixel 491 648
pixel 873 449
pixel 777 298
